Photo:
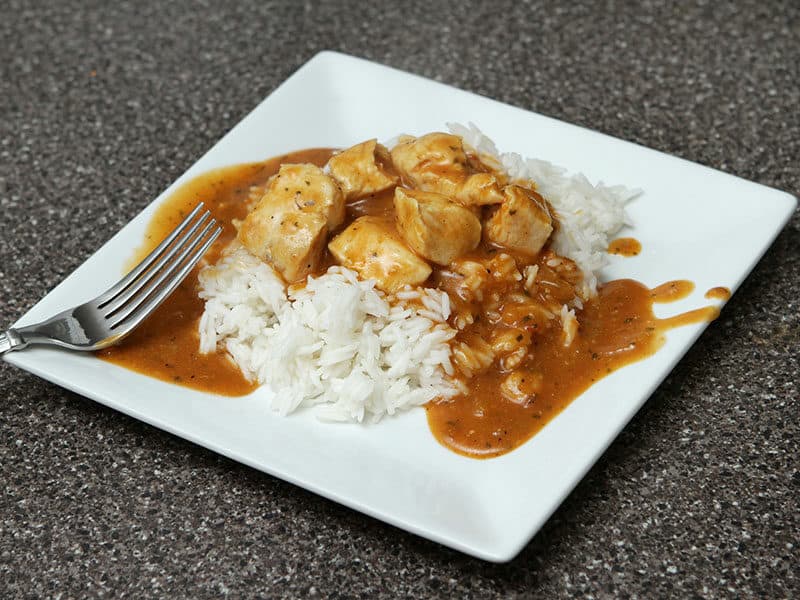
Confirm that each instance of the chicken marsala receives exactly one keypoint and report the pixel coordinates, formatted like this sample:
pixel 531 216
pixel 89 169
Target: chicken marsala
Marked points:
pixel 480 316
pixel 443 201
pixel 431 212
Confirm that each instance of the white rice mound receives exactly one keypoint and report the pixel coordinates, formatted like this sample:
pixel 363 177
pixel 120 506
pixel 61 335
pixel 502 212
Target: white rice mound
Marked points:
pixel 337 344
pixel 589 215
pixel 353 353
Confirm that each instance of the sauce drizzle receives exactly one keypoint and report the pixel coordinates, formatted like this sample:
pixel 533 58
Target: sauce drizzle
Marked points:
pixel 719 293
pixel 616 328
pixel 672 291
pixel 166 345
pixel 625 246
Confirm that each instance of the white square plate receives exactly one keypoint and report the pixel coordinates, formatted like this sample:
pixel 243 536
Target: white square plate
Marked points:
pixel 693 222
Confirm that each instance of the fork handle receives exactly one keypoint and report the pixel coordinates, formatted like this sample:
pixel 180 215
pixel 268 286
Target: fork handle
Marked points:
pixel 11 340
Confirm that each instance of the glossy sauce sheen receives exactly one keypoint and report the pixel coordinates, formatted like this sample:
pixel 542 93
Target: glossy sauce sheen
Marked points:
pixel 719 293
pixel 625 247
pixel 166 345
pixel 616 328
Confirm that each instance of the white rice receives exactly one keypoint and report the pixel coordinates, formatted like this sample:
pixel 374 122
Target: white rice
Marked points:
pixel 337 344
pixel 589 215
pixel 353 353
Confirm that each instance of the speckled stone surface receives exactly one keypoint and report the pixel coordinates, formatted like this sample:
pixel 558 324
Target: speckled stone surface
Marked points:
pixel 102 106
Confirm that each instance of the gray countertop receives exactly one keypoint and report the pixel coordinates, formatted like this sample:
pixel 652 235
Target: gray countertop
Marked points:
pixel 102 106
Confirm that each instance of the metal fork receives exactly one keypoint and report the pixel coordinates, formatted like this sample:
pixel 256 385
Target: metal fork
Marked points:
pixel 114 314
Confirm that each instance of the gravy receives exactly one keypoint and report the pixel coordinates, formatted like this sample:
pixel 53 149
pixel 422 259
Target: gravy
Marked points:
pixel 166 345
pixel 719 293
pixel 625 246
pixel 617 327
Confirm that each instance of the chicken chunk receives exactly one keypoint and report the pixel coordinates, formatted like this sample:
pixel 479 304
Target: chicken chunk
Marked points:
pixel 306 188
pixel 522 387
pixel 434 163
pixel 369 247
pixel 480 189
pixel 289 225
pixel 435 226
pixel 512 345
pixel 292 241
pixel 437 163
pixel 361 170
pixel 522 223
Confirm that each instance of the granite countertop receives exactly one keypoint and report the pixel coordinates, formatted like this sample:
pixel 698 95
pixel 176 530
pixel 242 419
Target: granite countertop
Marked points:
pixel 102 106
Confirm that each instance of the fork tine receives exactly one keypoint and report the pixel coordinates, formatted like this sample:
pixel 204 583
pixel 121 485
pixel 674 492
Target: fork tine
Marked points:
pixel 149 302
pixel 164 276
pixel 167 276
pixel 111 305
pixel 149 259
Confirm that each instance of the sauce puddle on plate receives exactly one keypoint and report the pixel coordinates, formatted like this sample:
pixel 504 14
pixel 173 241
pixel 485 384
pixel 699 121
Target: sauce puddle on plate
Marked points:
pixel 166 345
pixel 719 293
pixel 617 327
pixel 625 246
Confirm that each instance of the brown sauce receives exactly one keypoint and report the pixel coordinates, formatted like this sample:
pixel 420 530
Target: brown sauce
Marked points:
pixel 616 328
pixel 671 291
pixel 719 293
pixel 625 246
pixel 166 345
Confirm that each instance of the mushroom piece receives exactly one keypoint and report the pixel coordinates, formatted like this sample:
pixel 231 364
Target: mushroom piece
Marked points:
pixel 435 226
pixel 372 249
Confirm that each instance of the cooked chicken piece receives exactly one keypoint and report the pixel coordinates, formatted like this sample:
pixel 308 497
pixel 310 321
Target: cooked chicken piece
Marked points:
pixel 472 355
pixel 522 222
pixel 369 247
pixel 306 188
pixel 480 189
pixel 556 280
pixel 361 169
pixel 521 387
pixel 435 226
pixel 289 225
pixel 512 345
pixel 291 240
pixel 437 163
pixel 529 314
pixel 472 276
